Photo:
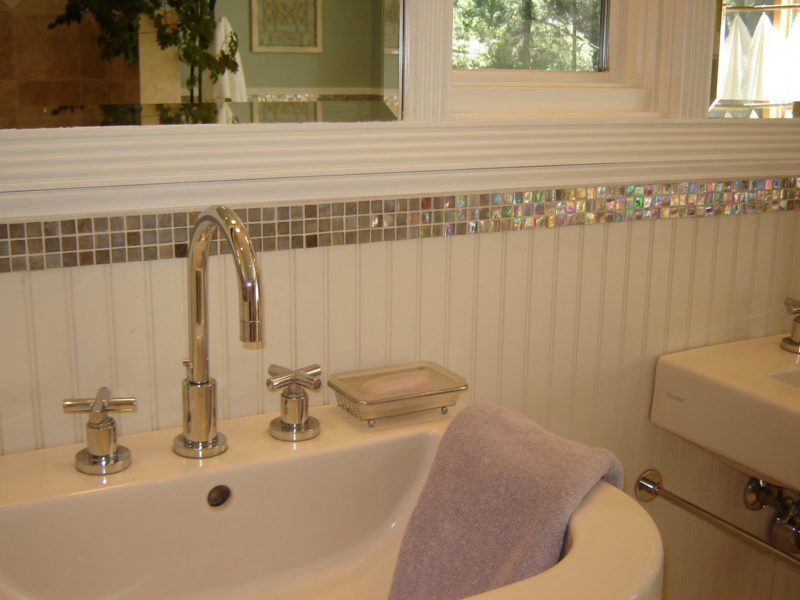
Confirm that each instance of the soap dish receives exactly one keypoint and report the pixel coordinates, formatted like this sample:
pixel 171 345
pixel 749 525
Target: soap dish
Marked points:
pixel 372 394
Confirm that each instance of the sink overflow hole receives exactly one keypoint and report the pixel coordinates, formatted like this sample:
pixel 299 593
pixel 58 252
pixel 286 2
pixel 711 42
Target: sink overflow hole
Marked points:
pixel 219 495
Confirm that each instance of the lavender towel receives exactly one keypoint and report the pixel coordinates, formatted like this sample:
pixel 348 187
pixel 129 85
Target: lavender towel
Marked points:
pixel 495 506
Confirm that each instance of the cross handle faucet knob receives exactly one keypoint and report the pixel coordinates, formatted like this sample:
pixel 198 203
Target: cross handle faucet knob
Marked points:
pixel 792 306
pixel 294 424
pixel 306 376
pixel 102 455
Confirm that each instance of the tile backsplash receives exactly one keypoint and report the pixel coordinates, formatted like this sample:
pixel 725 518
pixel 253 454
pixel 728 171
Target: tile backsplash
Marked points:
pixel 121 238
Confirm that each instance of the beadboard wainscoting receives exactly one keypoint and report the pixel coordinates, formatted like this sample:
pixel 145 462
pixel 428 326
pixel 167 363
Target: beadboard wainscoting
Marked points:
pixel 563 324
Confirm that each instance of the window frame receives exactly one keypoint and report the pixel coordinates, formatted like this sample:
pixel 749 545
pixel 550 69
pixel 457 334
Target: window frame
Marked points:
pixel 91 170
pixel 522 93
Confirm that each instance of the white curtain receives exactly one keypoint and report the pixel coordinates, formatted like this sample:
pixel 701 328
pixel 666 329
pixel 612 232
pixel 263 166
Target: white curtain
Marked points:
pixel 792 59
pixel 733 64
pixel 764 66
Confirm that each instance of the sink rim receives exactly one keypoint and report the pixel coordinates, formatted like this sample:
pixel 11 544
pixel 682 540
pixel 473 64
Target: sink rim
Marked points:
pixel 49 473
pixel 721 397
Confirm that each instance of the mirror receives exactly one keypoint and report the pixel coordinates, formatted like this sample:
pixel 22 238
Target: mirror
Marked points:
pixel 293 61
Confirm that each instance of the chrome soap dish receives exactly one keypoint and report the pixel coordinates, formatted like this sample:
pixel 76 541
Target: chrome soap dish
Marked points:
pixel 371 394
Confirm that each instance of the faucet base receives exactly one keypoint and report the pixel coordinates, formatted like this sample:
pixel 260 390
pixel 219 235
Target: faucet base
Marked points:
pixel 91 464
pixel 294 433
pixel 790 345
pixel 189 449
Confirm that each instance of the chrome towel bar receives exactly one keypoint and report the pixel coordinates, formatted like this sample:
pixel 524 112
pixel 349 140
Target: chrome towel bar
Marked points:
pixel 649 487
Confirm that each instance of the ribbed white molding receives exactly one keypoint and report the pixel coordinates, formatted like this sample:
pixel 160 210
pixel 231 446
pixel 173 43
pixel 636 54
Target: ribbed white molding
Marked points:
pixel 564 325
pixel 160 168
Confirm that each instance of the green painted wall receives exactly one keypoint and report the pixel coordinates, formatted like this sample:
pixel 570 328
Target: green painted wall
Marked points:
pixel 352 55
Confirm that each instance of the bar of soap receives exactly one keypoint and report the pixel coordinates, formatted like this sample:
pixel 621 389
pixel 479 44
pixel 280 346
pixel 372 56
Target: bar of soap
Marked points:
pixel 398 383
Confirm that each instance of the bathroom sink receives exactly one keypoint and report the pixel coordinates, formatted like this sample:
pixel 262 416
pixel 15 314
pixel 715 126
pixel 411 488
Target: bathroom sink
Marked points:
pixel 739 400
pixel 317 519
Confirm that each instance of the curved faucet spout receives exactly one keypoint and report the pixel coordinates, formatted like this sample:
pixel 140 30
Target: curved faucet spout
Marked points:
pixel 244 257
pixel 200 438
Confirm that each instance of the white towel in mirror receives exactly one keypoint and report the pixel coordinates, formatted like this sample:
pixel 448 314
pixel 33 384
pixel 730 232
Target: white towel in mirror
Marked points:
pixel 229 86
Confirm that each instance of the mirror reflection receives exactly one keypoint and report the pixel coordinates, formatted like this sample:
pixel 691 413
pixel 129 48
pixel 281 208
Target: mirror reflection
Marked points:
pixel 66 63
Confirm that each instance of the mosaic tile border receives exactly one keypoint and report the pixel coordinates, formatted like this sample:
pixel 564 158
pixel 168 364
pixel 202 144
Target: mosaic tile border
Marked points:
pixel 54 244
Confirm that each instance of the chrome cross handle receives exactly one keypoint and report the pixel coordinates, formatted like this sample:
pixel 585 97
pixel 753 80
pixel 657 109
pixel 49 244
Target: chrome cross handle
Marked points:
pixel 294 424
pixel 102 455
pixel 791 343
pixel 792 306
pixel 307 377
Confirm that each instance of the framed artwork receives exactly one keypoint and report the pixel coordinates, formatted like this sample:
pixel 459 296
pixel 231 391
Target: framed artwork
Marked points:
pixel 286 25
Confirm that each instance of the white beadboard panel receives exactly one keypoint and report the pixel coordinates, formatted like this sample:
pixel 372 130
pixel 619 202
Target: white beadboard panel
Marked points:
pixel 52 309
pixel 540 332
pixel 588 318
pixel 744 276
pixel 433 299
pixel 512 361
pixel 342 293
pixel 488 312
pixel 653 343
pixel 169 338
pixel 462 284
pixel 278 309
pixel 309 295
pixel 722 319
pixel 786 240
pixel 703 261
pixel 373 302
pixel 404 307
pixel 92 335
pixel 632 355
pixel 133 366
pixel 239 372
pixel 19 425
pixel 763 273
pixel 565 335
pixel 609 386
pixel 680 272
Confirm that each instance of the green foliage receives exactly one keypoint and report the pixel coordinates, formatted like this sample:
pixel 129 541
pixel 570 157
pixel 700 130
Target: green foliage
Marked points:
pixel 187 113
pixel 557 35
pixel 118 22
pixel 187 25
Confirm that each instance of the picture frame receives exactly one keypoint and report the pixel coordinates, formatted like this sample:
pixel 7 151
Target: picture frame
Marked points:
pixel 286 25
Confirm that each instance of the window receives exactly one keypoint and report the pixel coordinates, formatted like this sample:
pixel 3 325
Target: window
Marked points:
pixel 513 58
pixel 547 35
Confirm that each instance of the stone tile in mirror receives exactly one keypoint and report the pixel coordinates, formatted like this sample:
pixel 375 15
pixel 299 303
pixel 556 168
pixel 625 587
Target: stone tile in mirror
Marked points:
pixel 345 68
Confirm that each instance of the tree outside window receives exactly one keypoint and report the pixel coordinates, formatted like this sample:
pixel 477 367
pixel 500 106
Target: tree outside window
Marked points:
pixel 548 35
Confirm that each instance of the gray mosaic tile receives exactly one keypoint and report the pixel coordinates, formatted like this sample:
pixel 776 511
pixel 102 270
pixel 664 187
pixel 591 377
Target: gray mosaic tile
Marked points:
pixel 107 239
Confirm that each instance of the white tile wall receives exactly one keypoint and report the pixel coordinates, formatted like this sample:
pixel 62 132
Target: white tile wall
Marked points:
pixel 562 324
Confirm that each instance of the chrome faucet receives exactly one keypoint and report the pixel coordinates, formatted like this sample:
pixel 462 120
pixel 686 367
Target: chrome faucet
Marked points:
pixel 791 342
pixel 200 438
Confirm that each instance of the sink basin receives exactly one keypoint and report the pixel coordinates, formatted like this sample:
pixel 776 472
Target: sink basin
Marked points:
pixel 739 400
pixel 317 519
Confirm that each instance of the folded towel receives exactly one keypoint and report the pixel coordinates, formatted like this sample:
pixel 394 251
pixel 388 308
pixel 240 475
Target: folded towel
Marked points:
pixel 495 506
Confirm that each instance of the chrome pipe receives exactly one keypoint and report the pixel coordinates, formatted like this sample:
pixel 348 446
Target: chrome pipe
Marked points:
pixel 244 257
pixel 649 486
pixel 200 438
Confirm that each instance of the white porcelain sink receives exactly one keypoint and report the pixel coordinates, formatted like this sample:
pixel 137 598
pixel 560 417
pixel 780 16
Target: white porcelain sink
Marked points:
pixel 739 400
pixel 318 519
